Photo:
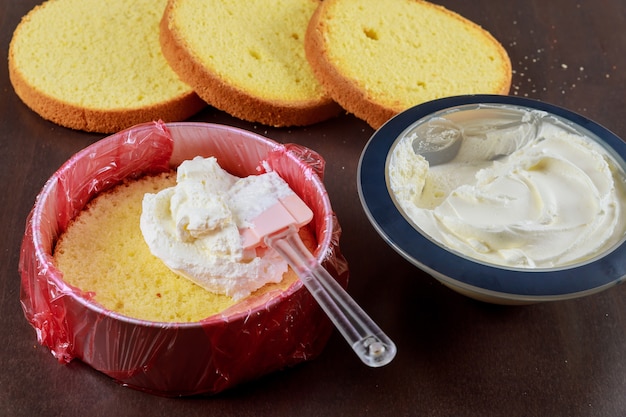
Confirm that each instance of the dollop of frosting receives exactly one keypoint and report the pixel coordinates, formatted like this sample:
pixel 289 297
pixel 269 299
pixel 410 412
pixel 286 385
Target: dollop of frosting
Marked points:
pixel 556 199
pixel 194 227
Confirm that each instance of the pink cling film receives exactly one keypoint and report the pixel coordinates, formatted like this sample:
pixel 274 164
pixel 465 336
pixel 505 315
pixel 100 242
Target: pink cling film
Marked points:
pixel 254 337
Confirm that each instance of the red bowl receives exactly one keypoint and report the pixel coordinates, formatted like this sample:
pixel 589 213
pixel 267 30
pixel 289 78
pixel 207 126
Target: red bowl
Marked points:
pixel 254 337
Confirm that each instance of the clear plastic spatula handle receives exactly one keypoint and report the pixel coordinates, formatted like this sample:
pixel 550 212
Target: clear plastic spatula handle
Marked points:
pixel 367 340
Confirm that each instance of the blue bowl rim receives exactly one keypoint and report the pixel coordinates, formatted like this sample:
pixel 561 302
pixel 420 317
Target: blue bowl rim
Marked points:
pixel 420 250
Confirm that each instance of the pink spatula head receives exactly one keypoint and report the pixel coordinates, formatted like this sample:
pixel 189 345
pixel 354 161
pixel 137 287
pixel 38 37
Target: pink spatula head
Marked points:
pixel 290 210
pixel 277 227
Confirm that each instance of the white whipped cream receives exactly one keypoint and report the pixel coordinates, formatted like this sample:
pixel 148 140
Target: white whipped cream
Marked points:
pixel 555 200
pixel 194 227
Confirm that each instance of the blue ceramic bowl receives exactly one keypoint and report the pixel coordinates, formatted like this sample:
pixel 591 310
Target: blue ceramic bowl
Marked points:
pixel 480 280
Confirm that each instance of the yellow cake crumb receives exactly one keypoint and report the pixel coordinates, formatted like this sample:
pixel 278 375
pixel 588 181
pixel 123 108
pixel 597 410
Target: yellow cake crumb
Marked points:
pixel 378 58
pixel 97 65
pixel 103 252
pixel 247 58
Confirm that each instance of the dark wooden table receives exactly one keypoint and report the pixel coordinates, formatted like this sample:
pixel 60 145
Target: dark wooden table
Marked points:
pixel 457 357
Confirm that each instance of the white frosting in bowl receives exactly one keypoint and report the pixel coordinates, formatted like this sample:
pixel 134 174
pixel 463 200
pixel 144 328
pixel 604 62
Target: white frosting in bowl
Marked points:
pixel 536 194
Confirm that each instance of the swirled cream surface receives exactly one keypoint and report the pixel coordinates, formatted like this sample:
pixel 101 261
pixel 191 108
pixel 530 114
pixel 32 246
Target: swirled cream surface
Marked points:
pixel 546 199
pixel 194 227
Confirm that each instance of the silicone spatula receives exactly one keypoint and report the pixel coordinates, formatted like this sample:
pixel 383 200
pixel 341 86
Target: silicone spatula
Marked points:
pixel 277 227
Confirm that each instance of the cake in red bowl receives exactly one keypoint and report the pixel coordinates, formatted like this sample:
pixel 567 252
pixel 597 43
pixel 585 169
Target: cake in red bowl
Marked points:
pixel 275 327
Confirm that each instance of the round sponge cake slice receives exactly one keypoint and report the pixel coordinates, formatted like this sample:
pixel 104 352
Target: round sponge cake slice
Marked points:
pixel 97 65
pixel 103 253
pixel 378 58
pixel 247 58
